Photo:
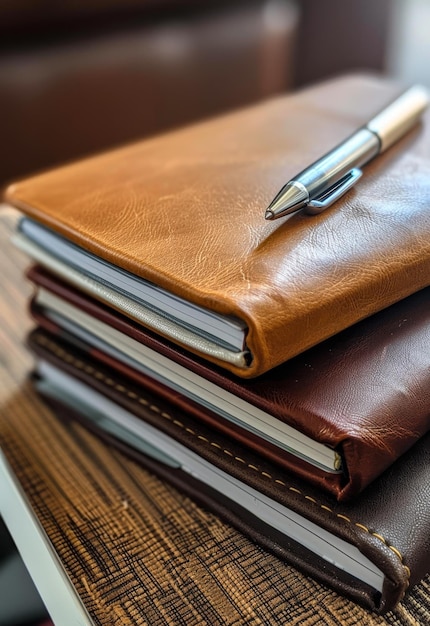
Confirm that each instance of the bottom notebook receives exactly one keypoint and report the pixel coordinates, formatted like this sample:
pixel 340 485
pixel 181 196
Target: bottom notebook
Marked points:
pixel 371 549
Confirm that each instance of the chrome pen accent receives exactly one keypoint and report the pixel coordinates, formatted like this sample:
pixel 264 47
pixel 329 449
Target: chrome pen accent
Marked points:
pixel 322 183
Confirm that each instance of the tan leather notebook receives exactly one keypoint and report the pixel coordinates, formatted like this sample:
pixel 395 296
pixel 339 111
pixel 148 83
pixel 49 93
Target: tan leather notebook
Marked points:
pixel 184 214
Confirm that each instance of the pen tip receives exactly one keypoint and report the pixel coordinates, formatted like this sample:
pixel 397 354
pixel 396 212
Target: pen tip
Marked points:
pixel 291 198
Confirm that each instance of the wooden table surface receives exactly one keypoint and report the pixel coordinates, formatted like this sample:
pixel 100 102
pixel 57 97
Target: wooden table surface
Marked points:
pixel 136 551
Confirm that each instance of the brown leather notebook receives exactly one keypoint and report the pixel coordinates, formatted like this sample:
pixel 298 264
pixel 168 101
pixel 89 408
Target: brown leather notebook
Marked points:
pixel 354 403
pixel 182 215
pixel 372 549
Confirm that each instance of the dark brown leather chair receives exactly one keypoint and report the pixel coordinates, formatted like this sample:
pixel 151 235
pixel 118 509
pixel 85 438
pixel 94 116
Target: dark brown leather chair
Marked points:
pixel 79 76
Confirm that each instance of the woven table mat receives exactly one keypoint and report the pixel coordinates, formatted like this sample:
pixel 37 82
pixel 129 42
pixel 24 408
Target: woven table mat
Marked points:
pixel 135 549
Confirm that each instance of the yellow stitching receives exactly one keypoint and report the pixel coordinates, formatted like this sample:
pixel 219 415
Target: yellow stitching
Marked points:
pixel 362 527
pixel 90 370
pixel 393 549
pixel 311 499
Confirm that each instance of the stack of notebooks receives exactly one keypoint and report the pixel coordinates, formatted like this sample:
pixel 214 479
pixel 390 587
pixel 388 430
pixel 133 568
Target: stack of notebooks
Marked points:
pixel 277 372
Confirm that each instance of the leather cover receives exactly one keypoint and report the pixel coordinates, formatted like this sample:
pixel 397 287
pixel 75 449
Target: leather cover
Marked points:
pixel 389 522
pixel 186 211
pixel 364 392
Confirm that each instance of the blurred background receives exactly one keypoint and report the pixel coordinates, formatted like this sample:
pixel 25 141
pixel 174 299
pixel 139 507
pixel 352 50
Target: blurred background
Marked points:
pixel 80 76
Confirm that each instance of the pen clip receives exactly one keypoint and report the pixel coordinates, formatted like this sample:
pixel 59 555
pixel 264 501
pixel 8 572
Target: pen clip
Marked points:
pixel 333 193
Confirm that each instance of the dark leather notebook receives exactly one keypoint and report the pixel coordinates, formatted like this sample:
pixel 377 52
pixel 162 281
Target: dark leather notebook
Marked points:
pixel 361 398
pixel 372 549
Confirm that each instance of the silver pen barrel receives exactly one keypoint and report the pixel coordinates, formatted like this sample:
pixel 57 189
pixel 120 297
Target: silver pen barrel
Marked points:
pixel 360 148
pixel 379 134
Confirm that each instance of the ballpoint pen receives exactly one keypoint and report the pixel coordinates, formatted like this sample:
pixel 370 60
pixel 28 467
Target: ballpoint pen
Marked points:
pixel 323 182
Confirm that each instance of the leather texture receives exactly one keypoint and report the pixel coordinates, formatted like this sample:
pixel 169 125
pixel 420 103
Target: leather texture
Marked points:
pixel 389 522
pixel 364 392
pixel 186 211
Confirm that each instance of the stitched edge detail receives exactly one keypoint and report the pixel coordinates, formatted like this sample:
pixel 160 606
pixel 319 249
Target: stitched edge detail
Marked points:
pixel 63 354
